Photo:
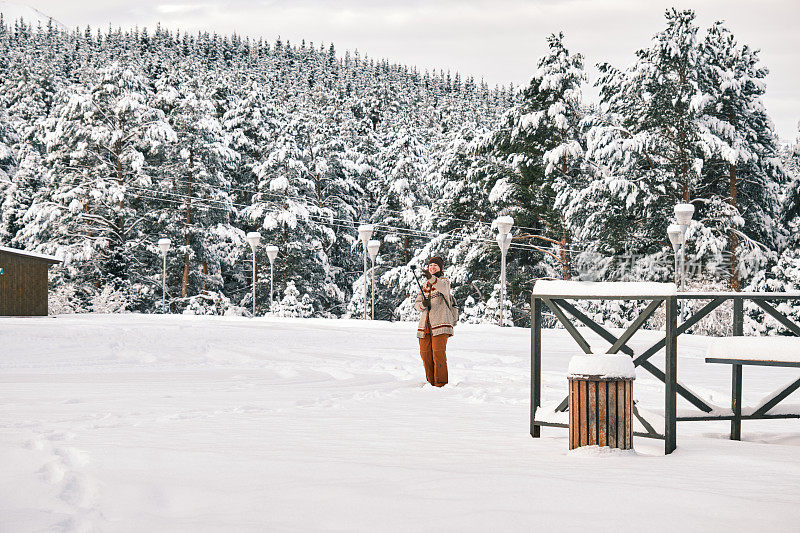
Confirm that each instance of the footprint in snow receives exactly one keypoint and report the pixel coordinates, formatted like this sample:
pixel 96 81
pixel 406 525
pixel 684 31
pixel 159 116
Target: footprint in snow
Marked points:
pixel 79 491
pixel 52 472
pixel 59 436
pixel 33 444
pixel 72 457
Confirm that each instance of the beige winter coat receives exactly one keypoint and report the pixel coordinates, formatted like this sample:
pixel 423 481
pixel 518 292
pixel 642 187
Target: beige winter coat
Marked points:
pixel 436 289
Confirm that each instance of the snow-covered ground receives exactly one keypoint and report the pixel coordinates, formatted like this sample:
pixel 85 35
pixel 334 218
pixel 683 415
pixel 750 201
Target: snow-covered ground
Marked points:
pixel 151 423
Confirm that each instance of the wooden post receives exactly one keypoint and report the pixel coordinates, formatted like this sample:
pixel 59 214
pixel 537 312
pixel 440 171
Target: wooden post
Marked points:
pixel 736 381
pixel 591 411
pixel 738 317
pixel 536 361
pixel 671 376
pixel 583 424
pixel 736 402
pixel 602 413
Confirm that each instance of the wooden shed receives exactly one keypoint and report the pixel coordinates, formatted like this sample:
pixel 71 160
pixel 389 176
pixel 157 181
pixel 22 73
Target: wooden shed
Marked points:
pixel 23 282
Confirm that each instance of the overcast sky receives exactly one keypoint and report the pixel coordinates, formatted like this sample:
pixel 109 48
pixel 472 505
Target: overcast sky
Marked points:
pixel 498 40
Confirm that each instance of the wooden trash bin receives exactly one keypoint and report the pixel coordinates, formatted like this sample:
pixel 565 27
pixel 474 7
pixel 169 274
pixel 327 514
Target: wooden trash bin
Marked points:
pixel 601 401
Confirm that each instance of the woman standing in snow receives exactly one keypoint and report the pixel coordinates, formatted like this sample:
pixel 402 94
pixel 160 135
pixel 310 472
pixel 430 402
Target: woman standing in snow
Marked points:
pixel 435 324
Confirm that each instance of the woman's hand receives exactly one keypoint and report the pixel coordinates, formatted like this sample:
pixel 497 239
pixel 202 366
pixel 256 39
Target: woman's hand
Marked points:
pixel 426 273
pixel 426 303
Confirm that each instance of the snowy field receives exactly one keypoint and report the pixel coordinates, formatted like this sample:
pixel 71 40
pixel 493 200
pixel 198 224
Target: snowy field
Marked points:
pixel 149 423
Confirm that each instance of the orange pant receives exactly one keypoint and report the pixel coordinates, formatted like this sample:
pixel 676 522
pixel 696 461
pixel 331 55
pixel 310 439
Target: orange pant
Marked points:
pixel 434 357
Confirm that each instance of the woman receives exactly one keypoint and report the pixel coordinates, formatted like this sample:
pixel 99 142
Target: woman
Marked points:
pixel 435 325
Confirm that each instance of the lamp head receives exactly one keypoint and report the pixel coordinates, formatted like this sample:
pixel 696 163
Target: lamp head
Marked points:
pixel 164 245
pixel 253 238
pixel 503 241
pixel 675 233
pixel 684 213
pixel 365 232
pixel 372 247
pixel 504 224
pixel 272 253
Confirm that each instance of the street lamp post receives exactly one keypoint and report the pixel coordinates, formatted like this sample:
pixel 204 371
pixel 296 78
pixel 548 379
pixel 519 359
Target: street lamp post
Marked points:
pixel 675 233
pixel 272 253
pixel 253 238
pixel 164 245
pixel 373 247
pixel 504 225
pixel 365 234
pixel 683 215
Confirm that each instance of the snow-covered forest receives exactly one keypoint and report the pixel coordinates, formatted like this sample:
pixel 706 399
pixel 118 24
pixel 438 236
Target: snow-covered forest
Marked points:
pixel 111 139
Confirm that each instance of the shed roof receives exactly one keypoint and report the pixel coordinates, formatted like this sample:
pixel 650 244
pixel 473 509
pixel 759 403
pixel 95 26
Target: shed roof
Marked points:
pixel 32 255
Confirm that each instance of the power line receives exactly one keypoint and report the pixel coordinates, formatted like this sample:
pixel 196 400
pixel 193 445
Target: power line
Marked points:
pixel 327 219
pixel 392 229
pixel 516 245
pixel 375 206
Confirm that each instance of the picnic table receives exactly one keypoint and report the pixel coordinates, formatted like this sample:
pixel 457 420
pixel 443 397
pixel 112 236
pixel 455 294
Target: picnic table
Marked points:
pixel 756 351
pixel 557 297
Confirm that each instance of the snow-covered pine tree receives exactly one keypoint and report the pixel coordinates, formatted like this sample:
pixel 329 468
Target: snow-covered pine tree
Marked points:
pixel 292 305
pixel 645 141
pixel 685 123
pixel 8 170
pixel 791 199
pixel 394 198
pixel 538 148
pixel 784 275
pixel 17 194
pixel 28 89
pixel 337 175
pixel 196 183
pixel 91 212
pixel 540 142
pixel 252 121
pixel 741 168
pixel 296 197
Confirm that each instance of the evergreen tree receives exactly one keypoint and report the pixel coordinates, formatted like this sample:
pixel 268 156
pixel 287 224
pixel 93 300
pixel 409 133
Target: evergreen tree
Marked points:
pixel 197 184
pixel 741 167
pixel 17 193
pixel 784 275
pixel 97 158
pixel 293 305
pixel 791 199
pixel 540 143
pixel 8 164
pixel 537 147
pixel 645 140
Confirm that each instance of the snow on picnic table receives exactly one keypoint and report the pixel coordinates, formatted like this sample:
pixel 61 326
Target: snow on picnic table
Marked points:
pixel 172 423
pixel 783 349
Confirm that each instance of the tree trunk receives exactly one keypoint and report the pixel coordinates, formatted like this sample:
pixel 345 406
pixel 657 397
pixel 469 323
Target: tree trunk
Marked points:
pixel 188 223
pixel 565 263
pixel 733 238
pixel 119 222
pixel 120 174
pixel 205 273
